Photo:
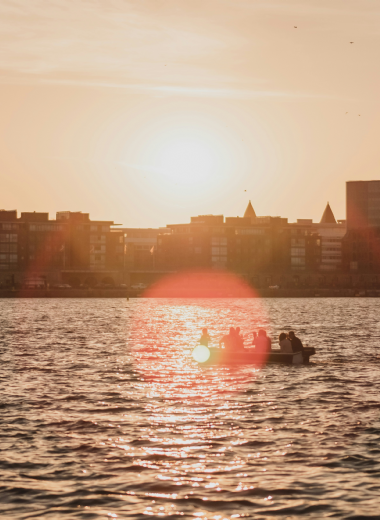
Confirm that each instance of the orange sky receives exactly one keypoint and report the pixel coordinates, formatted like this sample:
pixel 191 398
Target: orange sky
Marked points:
pixel 150 111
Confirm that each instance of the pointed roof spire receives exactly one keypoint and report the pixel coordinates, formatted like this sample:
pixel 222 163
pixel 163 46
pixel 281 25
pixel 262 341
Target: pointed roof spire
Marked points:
pixel 249 212
pixel 328 216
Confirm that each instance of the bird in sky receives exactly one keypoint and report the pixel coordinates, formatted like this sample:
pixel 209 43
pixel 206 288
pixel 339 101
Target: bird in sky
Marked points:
pixel 351 42
pixel 295 27
pixel 346 113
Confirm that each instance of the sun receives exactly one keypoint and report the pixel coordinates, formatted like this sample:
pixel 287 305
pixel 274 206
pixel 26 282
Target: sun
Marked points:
pixel 186 156
pixel 187 159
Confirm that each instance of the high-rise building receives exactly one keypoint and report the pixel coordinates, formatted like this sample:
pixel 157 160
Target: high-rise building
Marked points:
pixel 362 242
pixel 363 204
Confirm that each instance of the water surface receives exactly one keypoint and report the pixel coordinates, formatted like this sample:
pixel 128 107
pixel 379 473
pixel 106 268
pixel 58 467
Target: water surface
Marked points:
pixel 104 414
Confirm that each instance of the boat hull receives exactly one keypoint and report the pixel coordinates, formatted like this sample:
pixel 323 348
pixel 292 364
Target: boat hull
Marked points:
pixel 251 357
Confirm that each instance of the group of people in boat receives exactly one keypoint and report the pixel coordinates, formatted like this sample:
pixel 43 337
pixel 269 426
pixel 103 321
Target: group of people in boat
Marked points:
pixel 234 341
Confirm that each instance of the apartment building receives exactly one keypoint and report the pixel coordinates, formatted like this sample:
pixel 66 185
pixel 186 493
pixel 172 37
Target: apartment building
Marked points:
pixel 248 245
pixel 70 248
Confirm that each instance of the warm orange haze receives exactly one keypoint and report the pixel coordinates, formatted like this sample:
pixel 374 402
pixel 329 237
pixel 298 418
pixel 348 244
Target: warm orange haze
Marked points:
pixel 149 112
pixel 189 259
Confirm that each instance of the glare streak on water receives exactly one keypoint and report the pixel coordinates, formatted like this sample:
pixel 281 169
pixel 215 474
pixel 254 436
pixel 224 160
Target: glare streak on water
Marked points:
pixel 104 414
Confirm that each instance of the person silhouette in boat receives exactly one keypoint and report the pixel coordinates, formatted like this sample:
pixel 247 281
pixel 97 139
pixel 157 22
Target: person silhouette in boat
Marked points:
pixel 205 338
pixel 285 343
pixel 239 340
pixel 261 341
pixel 229 340
pixel 296 342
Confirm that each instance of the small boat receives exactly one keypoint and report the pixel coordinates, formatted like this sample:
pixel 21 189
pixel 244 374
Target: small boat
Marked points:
pixel 249 356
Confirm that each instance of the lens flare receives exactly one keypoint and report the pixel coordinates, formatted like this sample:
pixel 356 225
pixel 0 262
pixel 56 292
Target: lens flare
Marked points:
pixel 167 326
pixel 201 353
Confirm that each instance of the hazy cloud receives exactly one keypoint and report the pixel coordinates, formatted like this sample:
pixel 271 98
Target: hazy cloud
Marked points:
pixel 114 39
pixel 218 48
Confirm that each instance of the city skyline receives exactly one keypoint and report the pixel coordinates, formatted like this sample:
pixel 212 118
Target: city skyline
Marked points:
pixel 242 214
pixel 153 111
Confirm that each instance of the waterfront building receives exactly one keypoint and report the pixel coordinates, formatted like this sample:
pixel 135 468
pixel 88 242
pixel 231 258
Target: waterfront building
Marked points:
pixel 363 204
pixel 140 246
pixel 71 249
pixel 93 251
pixel 330 234
pixel 361 244
pixel 258 248
pixel 30 247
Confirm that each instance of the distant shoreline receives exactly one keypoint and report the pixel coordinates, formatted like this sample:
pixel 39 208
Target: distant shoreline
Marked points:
pixel 125 293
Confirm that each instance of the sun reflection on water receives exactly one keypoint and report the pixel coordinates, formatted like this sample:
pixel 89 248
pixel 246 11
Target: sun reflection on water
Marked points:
pixel 191 438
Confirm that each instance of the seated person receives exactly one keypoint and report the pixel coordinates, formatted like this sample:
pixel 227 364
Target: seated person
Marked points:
pixel 205 338
pixel 285 344
pixel 296 342
pixel 261 341
pixel 229 339
pixel 239 340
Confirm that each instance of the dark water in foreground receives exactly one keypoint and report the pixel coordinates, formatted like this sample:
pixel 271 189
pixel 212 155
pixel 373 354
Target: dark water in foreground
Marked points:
pixel 103 414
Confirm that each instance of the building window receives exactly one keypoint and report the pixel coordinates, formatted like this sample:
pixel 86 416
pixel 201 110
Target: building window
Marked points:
pixel 9 227
pixel 298 242
pixel 97 259
pixel 4 257
pixel 219 259
pixel 94 228
pixel 219 251
pixel 97 238
pixel 218 241
pixel 249 231
pixel 8 237
pixel 45 227
pixel 297 251
pixel 297 260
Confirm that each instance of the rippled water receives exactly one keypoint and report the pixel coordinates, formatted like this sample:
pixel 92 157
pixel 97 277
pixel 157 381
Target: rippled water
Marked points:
pixel 104 415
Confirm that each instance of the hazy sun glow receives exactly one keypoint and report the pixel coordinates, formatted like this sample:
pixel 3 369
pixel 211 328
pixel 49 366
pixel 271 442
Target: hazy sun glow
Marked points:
pixel 185 156
pixel 185 159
